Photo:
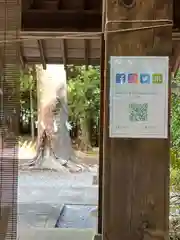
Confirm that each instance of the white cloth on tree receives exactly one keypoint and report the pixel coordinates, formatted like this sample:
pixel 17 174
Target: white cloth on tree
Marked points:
pixel 67 125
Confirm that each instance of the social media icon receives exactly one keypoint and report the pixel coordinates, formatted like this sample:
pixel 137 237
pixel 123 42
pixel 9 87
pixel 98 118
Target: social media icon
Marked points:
pixel 133 78
pixel 121 78
pixel 157 78
pixel 145 78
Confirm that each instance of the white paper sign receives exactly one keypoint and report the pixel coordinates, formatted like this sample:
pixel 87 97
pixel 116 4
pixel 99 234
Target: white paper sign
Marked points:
pixel 139 97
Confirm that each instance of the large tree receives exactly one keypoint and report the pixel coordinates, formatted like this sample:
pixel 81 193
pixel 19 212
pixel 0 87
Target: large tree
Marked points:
pixel 83 99
pixel 54 149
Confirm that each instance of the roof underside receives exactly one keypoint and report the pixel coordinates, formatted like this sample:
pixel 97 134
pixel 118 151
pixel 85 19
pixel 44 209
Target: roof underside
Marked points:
pixel 46 22
pixel 44 19
pixel 58 50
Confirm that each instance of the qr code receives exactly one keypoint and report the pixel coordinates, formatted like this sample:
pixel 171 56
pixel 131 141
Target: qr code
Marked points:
pixel 138 112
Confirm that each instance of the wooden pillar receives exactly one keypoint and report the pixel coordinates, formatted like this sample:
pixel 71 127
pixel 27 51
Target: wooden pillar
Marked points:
pixel 101 130
pixel 136 171
pixel 10 16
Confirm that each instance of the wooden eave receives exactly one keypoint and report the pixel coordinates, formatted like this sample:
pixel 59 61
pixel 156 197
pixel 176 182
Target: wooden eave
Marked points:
pixel 54 48
pixel 49 26
pixel 48 22
pixel 63 48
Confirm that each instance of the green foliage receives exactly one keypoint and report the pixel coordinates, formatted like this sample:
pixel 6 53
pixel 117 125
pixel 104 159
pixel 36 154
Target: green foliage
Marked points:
pixel 27 84
pixel 175 170
pixel 175 137
pixel 175 121
pixel 84 93
pixel 26 81
pixel 84 96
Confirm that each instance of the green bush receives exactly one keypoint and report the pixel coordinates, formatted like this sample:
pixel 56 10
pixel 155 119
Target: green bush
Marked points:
pixel 175 137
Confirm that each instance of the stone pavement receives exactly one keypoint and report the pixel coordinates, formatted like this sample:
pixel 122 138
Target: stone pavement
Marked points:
pixel 56 234
pixel 42 194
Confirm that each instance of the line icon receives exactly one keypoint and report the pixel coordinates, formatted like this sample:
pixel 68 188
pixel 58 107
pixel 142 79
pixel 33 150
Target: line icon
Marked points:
pixel 157 78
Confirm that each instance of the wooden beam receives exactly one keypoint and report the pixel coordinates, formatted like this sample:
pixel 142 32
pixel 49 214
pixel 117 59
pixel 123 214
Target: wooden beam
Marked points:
pixel 46 20
pixel 4 218
pixel 86 53
pixel 11 15
pixel 176 15
pixel 59 35
pixel 64 52
pixel 26 4
pixel 176 35
pixel 42 54
pixel 102 122
pixel 136 171
pixel 58 60
pixel 84 4
pixel 101 131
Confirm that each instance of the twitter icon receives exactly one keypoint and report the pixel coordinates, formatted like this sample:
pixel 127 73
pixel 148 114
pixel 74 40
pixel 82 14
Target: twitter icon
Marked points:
pixel 145 78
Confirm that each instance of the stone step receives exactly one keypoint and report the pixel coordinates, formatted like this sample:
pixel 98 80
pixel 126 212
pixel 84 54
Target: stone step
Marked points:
pixel 55 234
pixel 38 214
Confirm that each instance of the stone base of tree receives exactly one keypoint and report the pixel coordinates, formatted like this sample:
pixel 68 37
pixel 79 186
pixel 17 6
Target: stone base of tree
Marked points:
pixel 97 237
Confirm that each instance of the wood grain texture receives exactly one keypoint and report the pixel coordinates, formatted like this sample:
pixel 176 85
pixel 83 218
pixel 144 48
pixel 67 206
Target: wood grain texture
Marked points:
pixel 101 130
pixel 10 15
pixel 4 217
pixel 136 171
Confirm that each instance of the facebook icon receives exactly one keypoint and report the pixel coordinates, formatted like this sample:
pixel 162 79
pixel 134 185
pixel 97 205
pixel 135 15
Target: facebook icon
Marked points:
pixel 120 78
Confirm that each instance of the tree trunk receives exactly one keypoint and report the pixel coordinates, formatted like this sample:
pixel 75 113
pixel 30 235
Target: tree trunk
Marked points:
pixel 32 114
pixel 46 99
pixel 53 116
pixel 85 144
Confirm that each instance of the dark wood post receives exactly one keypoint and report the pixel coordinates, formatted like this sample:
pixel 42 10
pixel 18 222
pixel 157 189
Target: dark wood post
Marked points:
pixel 10 15
pixel 136 171
pixel 101 130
